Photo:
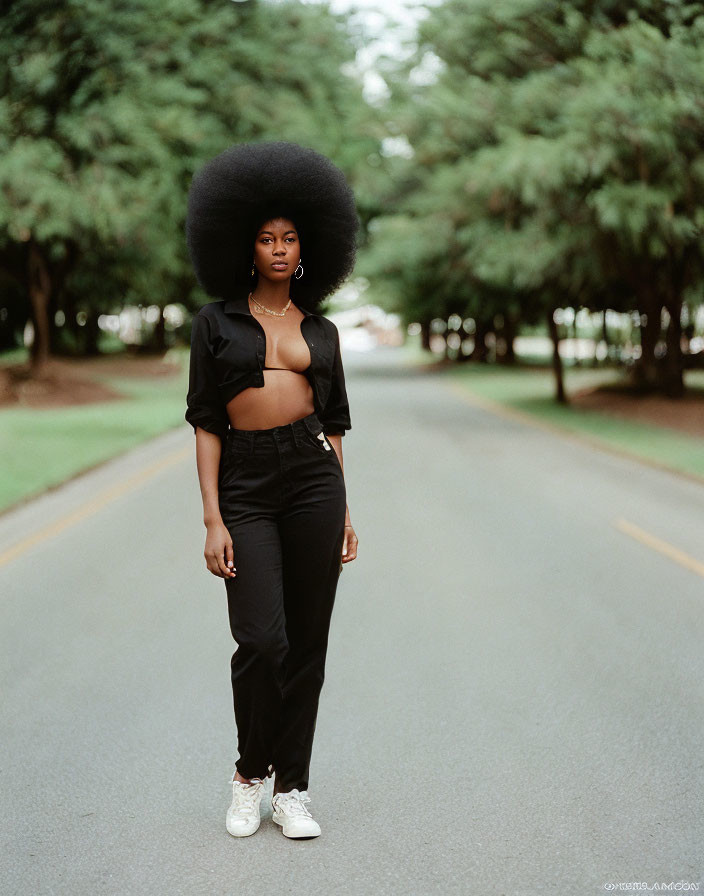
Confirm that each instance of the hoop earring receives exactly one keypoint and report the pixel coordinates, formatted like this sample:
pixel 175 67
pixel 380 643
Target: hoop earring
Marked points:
pixel 296 274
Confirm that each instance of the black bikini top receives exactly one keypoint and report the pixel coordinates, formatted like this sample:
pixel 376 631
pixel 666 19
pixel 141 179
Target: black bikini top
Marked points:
pixel 285 368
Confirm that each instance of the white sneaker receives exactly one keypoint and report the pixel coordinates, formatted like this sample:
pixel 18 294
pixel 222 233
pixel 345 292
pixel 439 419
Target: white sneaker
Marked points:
pixel 243 815
pixel 295 820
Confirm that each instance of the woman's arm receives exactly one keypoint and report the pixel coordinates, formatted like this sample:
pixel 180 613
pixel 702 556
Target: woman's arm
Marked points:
pixel 349 545
pixel 218 553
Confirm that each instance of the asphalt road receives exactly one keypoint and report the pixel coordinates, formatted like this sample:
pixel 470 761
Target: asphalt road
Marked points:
pixel 514 700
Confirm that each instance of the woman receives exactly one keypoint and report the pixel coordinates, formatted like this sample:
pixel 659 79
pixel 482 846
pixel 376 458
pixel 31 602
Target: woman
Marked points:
pixel 268 406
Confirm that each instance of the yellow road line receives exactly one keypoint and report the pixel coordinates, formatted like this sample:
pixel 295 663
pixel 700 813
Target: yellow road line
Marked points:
pixel 657 544
pixel 663 547
pixel 94 505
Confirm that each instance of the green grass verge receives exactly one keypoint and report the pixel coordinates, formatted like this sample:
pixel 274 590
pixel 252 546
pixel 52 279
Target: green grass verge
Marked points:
pixel 531 391
pixel 43 447
pixel 530 387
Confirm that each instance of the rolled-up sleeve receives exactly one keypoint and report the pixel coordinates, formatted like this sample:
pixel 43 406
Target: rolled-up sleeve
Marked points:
pixel 205 406
pixel 335 416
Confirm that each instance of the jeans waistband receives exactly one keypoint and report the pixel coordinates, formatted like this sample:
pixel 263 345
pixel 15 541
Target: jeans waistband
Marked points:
pixel 292 431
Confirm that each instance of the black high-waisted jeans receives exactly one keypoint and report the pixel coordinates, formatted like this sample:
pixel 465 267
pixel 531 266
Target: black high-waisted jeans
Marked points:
pixel 282 497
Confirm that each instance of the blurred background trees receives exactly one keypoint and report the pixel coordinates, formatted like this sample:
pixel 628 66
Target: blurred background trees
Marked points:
pixel 558 163
pixel 530 161
pixel 108 109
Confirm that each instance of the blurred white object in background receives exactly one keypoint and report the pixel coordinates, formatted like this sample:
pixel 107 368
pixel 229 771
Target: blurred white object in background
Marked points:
pixel 365 327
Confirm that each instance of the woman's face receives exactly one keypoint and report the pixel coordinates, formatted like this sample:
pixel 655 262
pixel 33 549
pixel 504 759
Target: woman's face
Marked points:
pixel 277 250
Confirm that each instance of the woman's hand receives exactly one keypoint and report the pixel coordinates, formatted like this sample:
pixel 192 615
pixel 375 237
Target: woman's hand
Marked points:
pixel 349 544
pixel 218 553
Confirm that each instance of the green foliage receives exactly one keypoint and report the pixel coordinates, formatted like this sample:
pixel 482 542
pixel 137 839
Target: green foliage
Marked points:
pixel 106 110
pixel 558 158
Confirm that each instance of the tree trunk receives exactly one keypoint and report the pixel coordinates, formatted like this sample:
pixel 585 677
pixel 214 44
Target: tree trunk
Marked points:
pixel 91 335
pixel 646 370
pixel 425 335
pixel 508 333
pixel 62 299
pixel 560 394
pixel 39 287
pixel 480 351
pixel 672 370
pixel 672 381
pixel 160 332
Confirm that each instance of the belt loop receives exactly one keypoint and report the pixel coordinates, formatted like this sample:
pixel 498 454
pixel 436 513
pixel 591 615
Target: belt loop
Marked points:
pixel 312 423
pixel 297 433
pixel 298 427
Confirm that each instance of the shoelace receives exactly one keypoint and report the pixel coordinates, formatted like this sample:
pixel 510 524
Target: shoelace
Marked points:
pixel 292 803
pixel 247 795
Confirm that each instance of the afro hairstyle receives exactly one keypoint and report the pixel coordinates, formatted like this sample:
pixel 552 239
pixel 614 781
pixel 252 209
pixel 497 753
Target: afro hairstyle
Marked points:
pixel 244 186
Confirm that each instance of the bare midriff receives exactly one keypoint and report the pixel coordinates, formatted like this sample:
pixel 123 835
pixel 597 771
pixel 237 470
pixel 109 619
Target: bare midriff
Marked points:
pixel 286 394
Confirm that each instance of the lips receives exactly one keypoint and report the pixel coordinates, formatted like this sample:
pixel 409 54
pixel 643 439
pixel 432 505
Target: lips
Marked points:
pixel 280 264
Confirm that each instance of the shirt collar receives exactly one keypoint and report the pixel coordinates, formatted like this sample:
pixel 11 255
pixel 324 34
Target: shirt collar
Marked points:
pixel 240 305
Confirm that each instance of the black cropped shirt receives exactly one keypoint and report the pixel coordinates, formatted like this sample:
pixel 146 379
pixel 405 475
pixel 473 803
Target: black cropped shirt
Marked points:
pixel 228 350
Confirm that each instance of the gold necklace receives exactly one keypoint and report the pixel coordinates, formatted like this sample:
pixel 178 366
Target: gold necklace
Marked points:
pixel 268 310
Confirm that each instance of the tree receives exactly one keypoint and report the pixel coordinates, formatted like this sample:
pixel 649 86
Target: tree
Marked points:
pixel 558 161
pixel 108 109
